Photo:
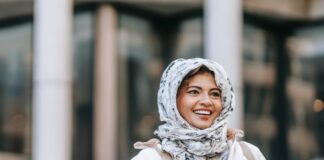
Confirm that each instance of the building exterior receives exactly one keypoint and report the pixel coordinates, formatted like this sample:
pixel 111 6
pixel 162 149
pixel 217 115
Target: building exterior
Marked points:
pixel 79 79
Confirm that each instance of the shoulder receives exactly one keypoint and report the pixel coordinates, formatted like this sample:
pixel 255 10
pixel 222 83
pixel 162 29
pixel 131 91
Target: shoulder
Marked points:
pixel 151 153
pixel 148 153
pixel 252 151
pixel 239 149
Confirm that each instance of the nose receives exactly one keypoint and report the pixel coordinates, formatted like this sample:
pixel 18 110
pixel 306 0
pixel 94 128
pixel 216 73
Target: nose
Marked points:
pixel 205 100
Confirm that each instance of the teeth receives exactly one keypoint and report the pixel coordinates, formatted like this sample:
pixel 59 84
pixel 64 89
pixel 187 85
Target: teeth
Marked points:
pixel 203 112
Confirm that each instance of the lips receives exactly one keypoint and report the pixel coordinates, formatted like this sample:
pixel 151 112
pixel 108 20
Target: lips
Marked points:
pixel 202 112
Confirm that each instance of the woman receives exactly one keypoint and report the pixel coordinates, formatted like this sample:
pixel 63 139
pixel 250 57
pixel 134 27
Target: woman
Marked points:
pixel 194 99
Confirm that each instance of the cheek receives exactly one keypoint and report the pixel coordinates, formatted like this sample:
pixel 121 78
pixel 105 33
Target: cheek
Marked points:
pixel 184 105
pixel 218 106
pixel 185 102
pixel 181 103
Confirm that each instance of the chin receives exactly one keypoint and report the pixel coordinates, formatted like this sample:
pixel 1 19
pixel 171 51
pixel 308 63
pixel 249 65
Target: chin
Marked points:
pixel 202 126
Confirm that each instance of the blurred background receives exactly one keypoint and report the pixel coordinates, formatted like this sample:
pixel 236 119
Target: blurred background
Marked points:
pixel 114 55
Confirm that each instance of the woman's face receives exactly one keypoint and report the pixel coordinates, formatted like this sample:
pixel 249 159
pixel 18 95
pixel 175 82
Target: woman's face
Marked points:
pixel 199 100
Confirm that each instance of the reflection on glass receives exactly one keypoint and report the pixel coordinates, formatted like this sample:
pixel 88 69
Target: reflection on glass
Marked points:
pixel 305 92
pixel 15 91
pixel 259 77
pixel 139 46
pixel 289 105
pixel 82 85
pixel 189 43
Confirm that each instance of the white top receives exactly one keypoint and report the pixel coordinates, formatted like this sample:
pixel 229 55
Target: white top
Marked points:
pixel 238 151
pixel 152 153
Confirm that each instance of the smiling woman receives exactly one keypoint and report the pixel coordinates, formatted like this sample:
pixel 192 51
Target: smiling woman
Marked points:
pixel 194 99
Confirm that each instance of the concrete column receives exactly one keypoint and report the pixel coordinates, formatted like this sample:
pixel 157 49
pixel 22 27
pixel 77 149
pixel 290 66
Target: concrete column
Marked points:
pixel 52 80
pixel 223 23
pixel 105 86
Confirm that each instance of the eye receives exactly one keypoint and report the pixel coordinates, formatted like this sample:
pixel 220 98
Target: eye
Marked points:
pixel 194 92
pixel 215 94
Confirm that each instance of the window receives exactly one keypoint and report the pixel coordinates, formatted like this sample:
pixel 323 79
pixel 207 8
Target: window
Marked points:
pixel 15 91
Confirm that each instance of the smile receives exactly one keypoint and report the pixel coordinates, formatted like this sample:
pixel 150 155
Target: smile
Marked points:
pixel 203 112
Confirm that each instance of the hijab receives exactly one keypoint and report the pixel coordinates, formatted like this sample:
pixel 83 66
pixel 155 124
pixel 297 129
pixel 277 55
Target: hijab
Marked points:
pixel 181 140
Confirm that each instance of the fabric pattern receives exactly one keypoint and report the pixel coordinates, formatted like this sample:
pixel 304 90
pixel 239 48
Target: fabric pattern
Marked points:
pixel 178 137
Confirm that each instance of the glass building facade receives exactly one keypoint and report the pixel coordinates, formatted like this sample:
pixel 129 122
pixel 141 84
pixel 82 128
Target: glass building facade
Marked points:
pixel 282 70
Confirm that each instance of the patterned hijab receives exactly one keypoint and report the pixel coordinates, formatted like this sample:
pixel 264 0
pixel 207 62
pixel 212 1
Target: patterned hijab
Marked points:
pixel 179 138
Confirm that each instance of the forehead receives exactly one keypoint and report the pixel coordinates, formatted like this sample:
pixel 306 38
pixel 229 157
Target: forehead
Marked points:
pixel 201 77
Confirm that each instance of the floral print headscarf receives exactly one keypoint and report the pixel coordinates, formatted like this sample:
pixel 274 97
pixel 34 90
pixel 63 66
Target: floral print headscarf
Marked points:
pixel 179 138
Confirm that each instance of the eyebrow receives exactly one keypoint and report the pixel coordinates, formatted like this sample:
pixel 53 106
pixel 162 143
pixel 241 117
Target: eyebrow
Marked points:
pixel 194 87
pixel 201 88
